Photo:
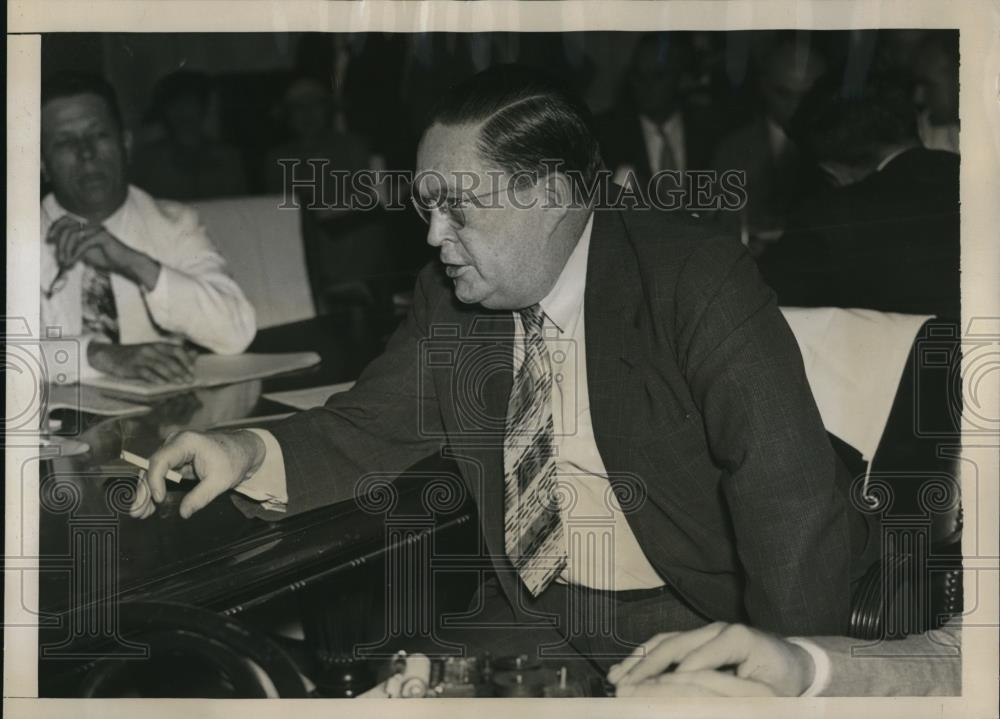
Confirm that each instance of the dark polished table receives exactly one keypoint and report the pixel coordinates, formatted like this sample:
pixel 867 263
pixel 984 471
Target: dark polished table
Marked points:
pixel 97 560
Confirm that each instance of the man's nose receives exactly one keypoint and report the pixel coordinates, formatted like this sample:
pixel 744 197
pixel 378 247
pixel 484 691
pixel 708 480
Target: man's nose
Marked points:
pixel 440 229
pixel 86 150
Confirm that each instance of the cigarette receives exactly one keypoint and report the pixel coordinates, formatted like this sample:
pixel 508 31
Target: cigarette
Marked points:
pixel 143 463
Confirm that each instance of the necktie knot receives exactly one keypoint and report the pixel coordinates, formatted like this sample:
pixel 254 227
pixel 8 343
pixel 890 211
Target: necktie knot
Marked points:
pixel 532 318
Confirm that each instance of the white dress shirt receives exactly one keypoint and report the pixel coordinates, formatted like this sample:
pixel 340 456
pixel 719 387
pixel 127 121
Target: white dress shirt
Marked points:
pixel 603 552
pixel 673 130
pixel 194 297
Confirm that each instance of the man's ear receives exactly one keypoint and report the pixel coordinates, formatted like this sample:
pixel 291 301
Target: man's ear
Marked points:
pixel 558 196
pixel 45 170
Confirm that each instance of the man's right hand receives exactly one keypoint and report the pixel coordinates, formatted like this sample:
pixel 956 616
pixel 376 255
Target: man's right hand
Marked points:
pixel 156 362
pixel 218 460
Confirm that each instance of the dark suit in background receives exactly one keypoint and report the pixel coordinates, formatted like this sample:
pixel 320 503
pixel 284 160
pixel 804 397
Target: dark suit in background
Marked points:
pixel 889 242
pixel 698 398
pixel 622 141
pixel 777 175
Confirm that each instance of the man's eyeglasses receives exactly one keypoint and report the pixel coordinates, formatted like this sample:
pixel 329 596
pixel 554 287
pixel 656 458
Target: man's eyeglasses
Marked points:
pixel 453 208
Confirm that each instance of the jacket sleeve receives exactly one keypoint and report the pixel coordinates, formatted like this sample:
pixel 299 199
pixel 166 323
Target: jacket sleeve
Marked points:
pixel 763 428
pixel 383 425
pixel 195 296
pixel 928 664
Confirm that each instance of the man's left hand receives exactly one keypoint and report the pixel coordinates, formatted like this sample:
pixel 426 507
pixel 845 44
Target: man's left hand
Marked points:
pixel 786 669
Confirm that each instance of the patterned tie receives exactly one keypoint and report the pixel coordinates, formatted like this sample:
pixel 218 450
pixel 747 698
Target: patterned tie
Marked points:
pixel 100 315
pixel 533 531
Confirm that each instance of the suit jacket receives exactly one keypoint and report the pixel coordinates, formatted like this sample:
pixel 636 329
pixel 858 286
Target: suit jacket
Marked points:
pixel 889 242
pixel 774 183
pixel 701 413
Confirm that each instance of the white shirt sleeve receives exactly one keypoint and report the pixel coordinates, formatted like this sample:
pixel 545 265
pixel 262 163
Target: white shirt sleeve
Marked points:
pixel 267 484
pixel 195 296
pixel 821 666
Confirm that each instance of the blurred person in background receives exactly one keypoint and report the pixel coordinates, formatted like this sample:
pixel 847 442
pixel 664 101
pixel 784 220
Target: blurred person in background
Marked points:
pixel 316 131
pixel 186 162
pixel 935 71
pixel 886 236
pixel 653 128
pixel 317 163
pixel 135 279
pixel 775 170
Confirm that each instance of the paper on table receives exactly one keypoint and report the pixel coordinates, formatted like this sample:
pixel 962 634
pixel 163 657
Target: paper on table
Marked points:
pixel 90 400
pixel 211 370
pixel 309 397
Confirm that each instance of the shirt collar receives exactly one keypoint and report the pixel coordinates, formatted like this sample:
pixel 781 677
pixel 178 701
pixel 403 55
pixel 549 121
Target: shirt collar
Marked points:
pixel 666 127
pixel 565 298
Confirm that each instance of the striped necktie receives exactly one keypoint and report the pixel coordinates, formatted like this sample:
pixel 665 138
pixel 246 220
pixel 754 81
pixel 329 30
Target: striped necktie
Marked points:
pixel 100 314
pixel 533 531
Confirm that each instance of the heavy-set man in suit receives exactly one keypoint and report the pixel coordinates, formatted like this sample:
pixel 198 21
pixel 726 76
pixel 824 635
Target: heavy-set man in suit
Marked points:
pixel 625 363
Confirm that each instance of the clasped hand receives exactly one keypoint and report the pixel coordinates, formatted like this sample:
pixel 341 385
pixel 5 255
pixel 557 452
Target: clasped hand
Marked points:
pixel 94 245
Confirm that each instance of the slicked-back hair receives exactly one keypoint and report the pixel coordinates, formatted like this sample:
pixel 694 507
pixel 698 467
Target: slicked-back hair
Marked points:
pixel 70 84
pixel 528 122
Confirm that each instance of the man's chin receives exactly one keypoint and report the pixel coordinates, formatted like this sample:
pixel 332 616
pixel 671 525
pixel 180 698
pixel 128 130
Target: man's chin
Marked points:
pixel 97 199
pixel 469 294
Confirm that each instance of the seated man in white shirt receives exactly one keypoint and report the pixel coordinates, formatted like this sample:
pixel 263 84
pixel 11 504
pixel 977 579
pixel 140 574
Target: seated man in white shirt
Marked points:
pixel 133 278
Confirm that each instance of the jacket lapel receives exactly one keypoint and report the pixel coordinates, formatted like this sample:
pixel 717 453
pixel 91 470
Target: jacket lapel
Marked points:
pixel 609 311
pixel 478 440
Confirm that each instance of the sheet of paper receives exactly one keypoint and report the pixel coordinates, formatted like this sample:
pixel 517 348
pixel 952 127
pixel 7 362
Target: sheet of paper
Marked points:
pixel 309 397
pixel 92 401
pixel 211 370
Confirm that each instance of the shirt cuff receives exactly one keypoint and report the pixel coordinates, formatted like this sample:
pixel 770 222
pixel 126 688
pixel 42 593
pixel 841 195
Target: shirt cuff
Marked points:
pixel 267 484
pixel 821 666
